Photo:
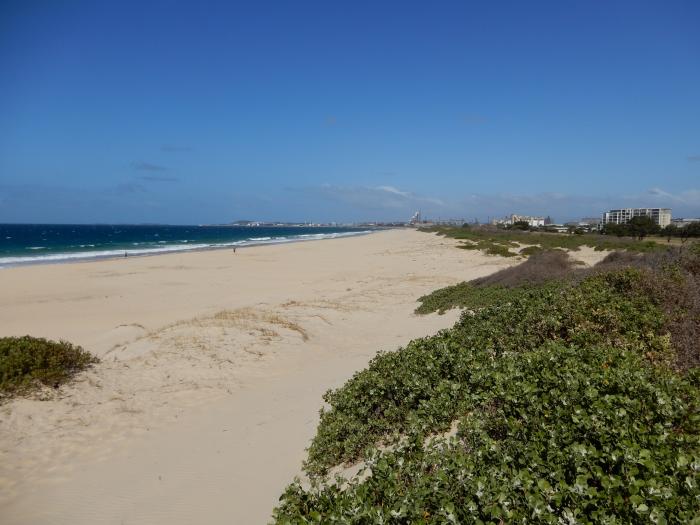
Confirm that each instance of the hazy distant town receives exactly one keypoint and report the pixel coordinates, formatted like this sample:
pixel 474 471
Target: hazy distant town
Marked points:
pixel 661 217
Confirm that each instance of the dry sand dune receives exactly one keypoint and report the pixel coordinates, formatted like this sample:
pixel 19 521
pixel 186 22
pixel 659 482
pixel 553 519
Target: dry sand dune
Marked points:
pixel 213 367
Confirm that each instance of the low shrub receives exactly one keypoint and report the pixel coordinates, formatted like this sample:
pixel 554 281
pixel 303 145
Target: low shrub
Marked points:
pixel 540 267
pixel 531 250
pixel 468 296
pixel 424 385
pixel 26 362
pixel 562 435
pixel 671 280
pixel 502 286
pixel 490 247
pixel 575 400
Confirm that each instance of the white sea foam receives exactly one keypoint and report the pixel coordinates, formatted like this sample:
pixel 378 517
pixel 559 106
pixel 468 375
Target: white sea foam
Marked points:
pixel 97 254
pixel 154 250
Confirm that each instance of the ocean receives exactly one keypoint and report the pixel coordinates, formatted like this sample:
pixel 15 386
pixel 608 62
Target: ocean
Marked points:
pixel 22 244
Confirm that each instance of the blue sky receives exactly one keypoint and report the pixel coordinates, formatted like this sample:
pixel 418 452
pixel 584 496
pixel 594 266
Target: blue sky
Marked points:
pixel 200 112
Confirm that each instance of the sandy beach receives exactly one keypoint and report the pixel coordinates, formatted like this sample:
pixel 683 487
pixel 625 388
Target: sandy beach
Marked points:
pixel 213 367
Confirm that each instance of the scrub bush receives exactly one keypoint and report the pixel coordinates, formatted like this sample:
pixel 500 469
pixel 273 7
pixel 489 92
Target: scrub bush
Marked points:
pixel 575 401
pixel 26 362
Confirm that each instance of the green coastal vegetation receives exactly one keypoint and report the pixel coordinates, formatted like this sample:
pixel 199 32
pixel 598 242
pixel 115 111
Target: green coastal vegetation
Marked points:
pixel 27 363
pixel 521 239
pixel 643 226
pixel 518 240
pixel 542 268
pixel 562 395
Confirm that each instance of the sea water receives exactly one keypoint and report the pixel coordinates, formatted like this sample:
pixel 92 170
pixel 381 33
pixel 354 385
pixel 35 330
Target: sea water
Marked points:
pixel 41 243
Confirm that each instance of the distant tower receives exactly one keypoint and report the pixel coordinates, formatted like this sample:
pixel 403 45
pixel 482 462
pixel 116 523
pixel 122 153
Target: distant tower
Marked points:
pixel 416 218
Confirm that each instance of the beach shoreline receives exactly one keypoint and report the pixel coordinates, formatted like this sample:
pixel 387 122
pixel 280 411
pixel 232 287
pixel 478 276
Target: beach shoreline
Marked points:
pixel 97 255
pixel 213 367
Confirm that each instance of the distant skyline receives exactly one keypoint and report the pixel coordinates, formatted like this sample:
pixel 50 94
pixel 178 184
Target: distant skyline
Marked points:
pixel 192 112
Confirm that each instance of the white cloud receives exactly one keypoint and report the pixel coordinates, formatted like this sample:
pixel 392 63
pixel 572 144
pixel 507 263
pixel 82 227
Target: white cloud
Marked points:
pixel 687 197
pixel 563 206
pixel 412 197
pixel 393 190
pixel 391 202
pixel 375 198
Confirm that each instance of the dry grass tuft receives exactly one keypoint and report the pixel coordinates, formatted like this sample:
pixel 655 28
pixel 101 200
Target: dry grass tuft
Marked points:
pixel 247 315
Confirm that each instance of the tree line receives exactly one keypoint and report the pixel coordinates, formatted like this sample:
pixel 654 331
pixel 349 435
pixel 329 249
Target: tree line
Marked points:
pixel 641 227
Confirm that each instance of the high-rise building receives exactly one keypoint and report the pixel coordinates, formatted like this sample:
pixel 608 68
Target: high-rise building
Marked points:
pixel 661 216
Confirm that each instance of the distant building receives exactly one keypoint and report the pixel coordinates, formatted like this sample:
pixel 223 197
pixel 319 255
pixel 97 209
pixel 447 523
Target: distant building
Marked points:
pixel 661 216
pixel 513 218
pixel 683 222
pixel 584 225
pixel 449 222
pixel 559 228
pixel 416 219
pixel 532 221
pixel 590 221
pixel 587 224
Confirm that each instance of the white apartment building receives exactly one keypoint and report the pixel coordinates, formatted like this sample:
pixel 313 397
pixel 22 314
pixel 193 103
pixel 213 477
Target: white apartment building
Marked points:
pixel 513 218
pixel 532 221
pixel 661 216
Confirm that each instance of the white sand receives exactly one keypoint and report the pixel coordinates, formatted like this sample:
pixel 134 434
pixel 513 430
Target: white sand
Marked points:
pixel 213 367
pixel 588 256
